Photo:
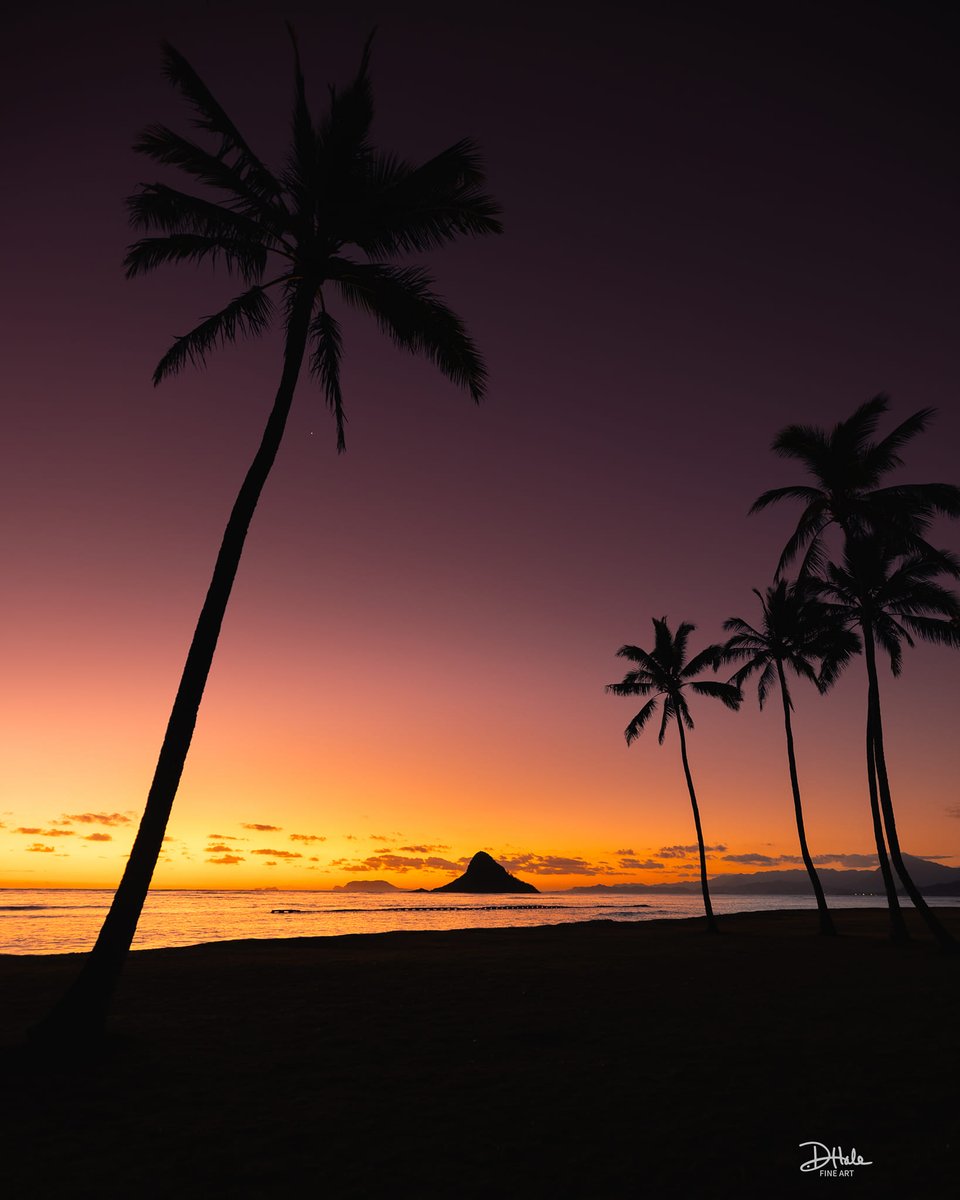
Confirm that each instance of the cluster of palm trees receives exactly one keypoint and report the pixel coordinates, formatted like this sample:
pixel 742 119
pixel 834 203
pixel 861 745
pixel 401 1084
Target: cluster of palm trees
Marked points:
pixel 879 590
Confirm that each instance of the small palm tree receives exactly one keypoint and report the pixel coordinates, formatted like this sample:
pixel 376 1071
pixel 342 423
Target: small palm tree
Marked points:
pixel 325 225
pixel 665 671
pixel 891 596
pixel 797 632
pixel 847 468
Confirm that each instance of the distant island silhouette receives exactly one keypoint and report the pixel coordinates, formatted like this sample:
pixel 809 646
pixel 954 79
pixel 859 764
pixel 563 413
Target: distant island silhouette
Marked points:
pixel 933 878
pixel 485 876
pixel 367 885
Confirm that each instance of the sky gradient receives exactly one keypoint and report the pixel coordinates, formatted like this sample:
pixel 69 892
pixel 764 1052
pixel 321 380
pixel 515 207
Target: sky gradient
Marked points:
pixel 712 230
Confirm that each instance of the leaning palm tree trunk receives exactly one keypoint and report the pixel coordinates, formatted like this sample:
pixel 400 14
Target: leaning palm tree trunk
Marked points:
pixel 898 930
pixel 875 719
pixel 82 1011
pixel 708 907
pixel 827 927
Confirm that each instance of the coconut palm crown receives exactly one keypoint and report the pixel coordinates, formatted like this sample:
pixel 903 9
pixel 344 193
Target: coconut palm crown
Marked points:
pixel 665 671
pixel 326 225
pixel 894 596
pixel 847 468
pixel 798 631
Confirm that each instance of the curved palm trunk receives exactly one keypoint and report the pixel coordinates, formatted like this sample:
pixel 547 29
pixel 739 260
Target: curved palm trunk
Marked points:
pixel 708 907
pixel 81 1013
pixel 946 941
pixel 898 926
pixel 827 927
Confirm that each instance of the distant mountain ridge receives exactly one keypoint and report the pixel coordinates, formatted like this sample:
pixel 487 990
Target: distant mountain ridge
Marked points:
pixel 932 877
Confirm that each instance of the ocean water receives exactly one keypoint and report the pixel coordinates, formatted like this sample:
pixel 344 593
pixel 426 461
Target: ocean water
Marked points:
pixel 60 921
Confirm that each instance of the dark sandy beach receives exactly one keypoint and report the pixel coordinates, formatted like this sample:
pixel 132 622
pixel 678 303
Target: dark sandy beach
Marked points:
pixel 595 1060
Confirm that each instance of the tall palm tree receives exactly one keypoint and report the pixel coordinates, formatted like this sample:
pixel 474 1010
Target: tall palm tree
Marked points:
pixel 890 596
pixel 324 226
pixel 847 469
pixel 665 671
pixel 797 632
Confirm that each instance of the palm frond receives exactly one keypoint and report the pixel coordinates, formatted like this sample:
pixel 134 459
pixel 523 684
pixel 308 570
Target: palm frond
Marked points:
pixel 813 521
pixel 405 307
pixel 664 653
pixel 710 656
pixel 803 668
pixel 742 646
pixel 632 731
pixel 739 678
pixel 635 654
pixel 806 443
pixel 246 258
pixel 885 455
pixel 923 499
pixel 850 436
pixel 889 635
pixel 680 640
pixel 838 647
pixel 741 628
pixel 728 693
pixel 157 206
pixel 810 495
pixel 939 630
pixel 342 134
pixel 302 162
pixel 766 681
pixel 325 364
pixel 165 146
pixel 246 316
pixel 422 208
pixel 210 115
pixel 669 713
pixel 684 711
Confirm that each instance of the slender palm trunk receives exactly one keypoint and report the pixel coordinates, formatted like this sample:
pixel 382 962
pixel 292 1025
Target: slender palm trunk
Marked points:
pixel 898 926
pixel 875 718
pixel 827 927
pixel 81 1013
pixel 708 907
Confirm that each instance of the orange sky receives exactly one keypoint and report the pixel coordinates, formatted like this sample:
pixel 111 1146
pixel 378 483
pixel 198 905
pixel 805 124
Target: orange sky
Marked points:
pixel 421 630
pixel 366 787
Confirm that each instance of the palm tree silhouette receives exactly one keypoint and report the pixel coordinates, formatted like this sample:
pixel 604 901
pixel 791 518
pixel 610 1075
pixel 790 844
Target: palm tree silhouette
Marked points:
pixel 847 468
pixel 799 632
pixel 891 595
pixel 665 671
pixel 335 192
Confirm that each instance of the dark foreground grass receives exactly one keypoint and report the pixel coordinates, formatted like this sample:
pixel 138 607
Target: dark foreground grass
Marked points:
pixel 589 1061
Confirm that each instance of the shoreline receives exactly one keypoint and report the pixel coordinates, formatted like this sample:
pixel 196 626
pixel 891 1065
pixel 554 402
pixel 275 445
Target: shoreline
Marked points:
pixel 725 907
pixel 592 1059
pixel 304 941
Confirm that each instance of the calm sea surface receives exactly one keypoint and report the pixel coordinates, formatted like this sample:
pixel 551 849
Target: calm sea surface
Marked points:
pixel 55 921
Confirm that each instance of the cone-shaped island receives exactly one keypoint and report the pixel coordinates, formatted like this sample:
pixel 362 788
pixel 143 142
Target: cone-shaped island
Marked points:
pixel 483 876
